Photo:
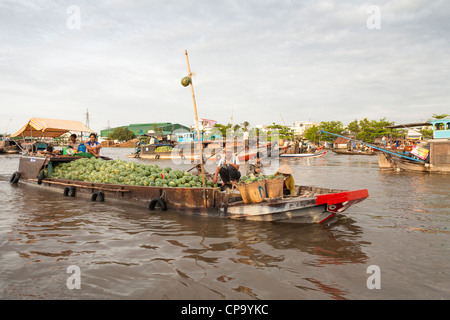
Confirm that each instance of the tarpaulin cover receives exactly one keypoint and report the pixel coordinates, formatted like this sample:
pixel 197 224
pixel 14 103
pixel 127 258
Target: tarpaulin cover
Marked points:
pixel 422 153
pixel 50 128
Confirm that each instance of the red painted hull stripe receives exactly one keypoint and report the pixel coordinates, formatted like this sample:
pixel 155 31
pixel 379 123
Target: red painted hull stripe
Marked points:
pixel 340 197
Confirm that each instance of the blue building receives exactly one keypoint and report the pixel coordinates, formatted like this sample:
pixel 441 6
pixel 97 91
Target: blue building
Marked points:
pixel 441 128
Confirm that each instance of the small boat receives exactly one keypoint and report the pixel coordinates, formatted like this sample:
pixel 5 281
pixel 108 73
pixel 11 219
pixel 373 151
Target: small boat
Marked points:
pixel 153 151
pixel 179 150
pixel 303 155
pixel 250 154
pixel 354 152
pixel 9 147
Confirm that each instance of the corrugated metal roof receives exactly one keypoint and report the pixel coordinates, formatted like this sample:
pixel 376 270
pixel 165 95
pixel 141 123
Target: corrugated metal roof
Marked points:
pixel 340 140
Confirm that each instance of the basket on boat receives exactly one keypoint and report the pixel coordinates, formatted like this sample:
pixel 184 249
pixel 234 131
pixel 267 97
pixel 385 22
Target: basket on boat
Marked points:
pixel 254 192
pixel 274 187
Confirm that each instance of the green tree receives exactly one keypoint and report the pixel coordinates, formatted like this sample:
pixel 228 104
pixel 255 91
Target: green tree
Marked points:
pixel 332 127
pixel 121 134
pixel 222 129
pixel 313 134
pixel 426 133
pixel 371 129
pixel 354 127
pixel 284 132
pixel 245 125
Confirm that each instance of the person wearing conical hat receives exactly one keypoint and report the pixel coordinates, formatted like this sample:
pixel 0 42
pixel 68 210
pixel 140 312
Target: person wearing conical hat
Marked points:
pixel 289 183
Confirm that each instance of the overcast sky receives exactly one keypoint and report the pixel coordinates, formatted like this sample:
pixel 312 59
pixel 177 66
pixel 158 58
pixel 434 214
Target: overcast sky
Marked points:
pixel 258 61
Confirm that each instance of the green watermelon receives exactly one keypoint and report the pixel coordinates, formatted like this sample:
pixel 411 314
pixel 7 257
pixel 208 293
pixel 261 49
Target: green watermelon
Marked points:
pixel 186 81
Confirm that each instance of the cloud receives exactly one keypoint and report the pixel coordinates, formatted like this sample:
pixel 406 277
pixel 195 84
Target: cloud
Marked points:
pixel 255 60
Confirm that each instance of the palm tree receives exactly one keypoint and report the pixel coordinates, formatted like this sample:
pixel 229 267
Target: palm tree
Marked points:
pixel 440 116
pixel 245 125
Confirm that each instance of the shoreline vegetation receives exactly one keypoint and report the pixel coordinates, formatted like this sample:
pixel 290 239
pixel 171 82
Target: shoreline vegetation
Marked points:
pixel 363 130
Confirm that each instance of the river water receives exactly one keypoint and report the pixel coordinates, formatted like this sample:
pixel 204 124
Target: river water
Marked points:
pixel 393 245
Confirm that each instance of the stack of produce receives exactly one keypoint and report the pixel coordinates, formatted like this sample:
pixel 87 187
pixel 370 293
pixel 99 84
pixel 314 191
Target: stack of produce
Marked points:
pixel 163 149
pixel 130 173
pixel 252 178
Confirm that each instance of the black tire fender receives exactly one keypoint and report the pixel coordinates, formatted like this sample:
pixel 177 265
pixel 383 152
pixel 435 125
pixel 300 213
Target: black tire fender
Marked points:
pixel 160 201
pixel 98 196
pixel 157 156
pixel 15 177
pixel 40 177
pixel 70 191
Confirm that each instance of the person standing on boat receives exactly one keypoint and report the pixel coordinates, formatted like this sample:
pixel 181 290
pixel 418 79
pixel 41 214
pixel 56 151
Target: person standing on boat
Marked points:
pixel 93 146
pixel 228 169
pixel 384 141
pixel 289 183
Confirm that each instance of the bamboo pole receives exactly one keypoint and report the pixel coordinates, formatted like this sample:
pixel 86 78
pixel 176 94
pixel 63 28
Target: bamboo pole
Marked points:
pixel 198 130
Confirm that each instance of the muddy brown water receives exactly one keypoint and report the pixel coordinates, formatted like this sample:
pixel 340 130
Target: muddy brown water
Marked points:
pixel 127 252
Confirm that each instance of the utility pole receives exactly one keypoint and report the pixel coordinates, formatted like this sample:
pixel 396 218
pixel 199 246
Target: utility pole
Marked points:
pixel 232 116
pixel 87 118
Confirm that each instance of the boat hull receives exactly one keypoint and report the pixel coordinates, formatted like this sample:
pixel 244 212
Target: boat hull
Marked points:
pixel 310 205
pixel 337 151
pixel 388 162
pixel 303 155
pixel 310 209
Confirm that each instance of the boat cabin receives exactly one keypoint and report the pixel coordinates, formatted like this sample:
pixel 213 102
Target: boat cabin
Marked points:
pixel 441 128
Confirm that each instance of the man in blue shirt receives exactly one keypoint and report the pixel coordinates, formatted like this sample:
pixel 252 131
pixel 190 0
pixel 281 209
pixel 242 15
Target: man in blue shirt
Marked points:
pixel 93 146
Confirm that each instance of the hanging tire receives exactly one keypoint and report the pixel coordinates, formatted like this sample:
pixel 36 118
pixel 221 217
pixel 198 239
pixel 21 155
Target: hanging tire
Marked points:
pixel 40 177
pixel 98 196
pixel 157 156
pixel 15 177
pixel 69 191
pixel 158 201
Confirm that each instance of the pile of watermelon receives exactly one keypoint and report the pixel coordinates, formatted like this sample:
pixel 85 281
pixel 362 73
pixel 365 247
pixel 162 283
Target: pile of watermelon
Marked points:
pixel 163 149
pixel 96 170
pixel 254 178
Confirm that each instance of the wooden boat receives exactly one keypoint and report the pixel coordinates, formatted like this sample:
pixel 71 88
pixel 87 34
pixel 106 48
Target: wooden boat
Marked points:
pixel 436 151
pixel 183 150
pixel 9 147
pixel 153 151
pixel 309 205
pixel 247 155
pixel 388 161
pixel 435 159
pixel 353 152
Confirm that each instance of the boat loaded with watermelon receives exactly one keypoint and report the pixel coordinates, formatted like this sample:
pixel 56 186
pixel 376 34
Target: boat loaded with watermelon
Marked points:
pixel 148 185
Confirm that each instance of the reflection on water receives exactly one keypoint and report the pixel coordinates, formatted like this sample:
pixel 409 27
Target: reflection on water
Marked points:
pixel 127 252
